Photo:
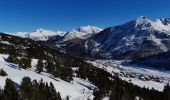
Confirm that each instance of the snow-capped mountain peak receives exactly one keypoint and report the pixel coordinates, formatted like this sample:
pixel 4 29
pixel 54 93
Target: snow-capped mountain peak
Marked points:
pixel 89 29
pixel 40 34
pixel 82 32
pixel 162 25
pixel 140 37
pixel 143 22
pixel 39 30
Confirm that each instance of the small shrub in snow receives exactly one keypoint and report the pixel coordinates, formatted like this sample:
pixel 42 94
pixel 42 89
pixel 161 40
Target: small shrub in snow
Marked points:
pixel 3 73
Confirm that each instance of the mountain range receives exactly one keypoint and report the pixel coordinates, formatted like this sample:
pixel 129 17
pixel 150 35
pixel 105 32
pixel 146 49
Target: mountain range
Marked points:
pixel 135 39
pixel 91 63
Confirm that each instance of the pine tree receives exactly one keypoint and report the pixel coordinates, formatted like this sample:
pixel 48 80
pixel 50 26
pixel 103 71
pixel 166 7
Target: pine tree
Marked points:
pixel 59 96
pixel 10 91
pixel 54 95
pixel 50 67
pixel 25 63
pixel 166 92
pixel 26 88
pixel 40 66
pixel 42 90
pixel 67 97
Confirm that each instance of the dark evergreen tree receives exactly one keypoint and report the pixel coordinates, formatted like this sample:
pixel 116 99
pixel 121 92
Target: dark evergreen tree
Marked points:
pixel 3 73
pixel 25 63
pixel 53 94
pixel 26 85
pixel 166 92
pixel 10 91
pixel 67 97
pixel 40 66
pixel 50 67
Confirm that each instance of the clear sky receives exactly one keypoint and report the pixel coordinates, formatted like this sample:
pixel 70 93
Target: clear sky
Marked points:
pixel 27 15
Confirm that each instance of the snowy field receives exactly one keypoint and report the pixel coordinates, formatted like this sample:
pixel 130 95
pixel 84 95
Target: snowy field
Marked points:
pixel 76 90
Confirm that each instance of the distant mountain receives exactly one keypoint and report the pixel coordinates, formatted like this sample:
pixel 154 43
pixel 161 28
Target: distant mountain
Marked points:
pixel 40 34
pixel 135 39
pixel 138 38
pixel 72 41
pixel 83 32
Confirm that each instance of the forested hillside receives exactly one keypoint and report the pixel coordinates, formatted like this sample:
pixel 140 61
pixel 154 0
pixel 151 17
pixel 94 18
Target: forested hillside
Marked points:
pixel 61 65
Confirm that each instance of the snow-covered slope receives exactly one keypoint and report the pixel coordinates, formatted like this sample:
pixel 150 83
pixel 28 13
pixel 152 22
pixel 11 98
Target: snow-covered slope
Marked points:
pixel 138 38
pixel 71 42
pixel 162 24
pixel 83 32
pixel 17 48
pixel 76 90
pixel 40 34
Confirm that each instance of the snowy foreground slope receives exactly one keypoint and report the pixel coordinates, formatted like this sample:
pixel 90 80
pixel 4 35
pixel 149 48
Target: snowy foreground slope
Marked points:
pixel 143 77
pixel 76 90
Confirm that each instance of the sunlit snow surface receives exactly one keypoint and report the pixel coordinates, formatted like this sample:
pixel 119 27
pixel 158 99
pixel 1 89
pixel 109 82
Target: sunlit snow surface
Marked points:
pixel 77 90
pixel 140 76
pixel 40 34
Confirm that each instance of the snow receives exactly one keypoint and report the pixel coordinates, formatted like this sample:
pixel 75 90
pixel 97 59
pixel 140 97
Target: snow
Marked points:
pixel 135 74
pixel 138 98
pixel 146 84
pixel 133 36
pixel 83 32
pixel 89 29
pixel 142 22
pixel 5 42
pixel 158 42
pixel 34 63
pixel 77 90
pixel 40 34
pixel 106 98
pixel 158 25
pixel 145 23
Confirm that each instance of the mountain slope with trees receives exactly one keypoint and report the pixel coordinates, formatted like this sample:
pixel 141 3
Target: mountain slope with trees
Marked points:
pixel 60 65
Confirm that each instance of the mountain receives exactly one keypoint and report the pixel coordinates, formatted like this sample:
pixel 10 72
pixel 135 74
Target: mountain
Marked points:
pixel 72 77
pixel 160 61
pixel 72 41
pixel 40 34
pixel 83 32
pixel 138 38
pixel 76 78
pixel 21 57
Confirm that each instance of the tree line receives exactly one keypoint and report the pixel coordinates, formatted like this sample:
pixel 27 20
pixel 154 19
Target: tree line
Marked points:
pixel 117 89
pixel 29 90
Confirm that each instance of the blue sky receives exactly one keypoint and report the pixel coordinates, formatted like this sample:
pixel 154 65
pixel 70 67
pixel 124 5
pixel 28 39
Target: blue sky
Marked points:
pixel 27 15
